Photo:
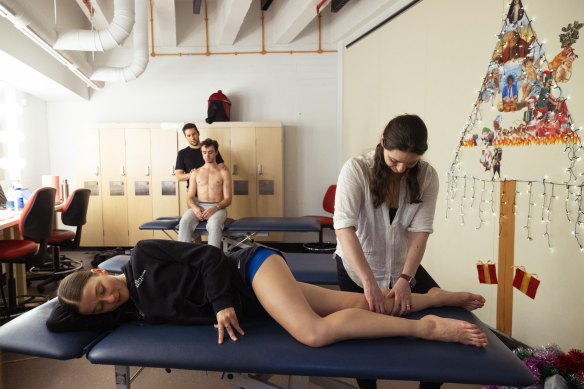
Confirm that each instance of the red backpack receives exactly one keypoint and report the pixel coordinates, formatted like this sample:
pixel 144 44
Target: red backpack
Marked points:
pixel 219 108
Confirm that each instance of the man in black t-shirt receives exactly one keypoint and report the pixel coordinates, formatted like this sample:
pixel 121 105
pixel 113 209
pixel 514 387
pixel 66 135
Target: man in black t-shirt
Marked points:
pixel 191 157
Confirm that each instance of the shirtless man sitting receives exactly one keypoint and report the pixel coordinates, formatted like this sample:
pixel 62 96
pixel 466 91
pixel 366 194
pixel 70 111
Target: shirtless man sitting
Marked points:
pixel 209 194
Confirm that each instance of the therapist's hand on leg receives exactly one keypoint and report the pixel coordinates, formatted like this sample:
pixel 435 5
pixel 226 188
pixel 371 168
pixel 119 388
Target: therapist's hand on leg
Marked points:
pixel 402 293
pixel 374 297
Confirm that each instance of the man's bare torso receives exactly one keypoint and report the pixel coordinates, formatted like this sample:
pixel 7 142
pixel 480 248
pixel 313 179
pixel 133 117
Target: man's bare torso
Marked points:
pixel 209 180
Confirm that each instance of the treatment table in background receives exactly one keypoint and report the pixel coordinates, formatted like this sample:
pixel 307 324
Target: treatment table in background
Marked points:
pixel 237 233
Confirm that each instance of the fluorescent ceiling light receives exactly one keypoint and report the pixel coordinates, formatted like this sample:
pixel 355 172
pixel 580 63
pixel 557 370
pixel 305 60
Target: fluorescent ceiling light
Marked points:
pixel 33 36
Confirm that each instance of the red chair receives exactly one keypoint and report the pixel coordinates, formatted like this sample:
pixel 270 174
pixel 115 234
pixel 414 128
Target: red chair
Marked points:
pixel 73 213
pixel 328 204
pixel 36 224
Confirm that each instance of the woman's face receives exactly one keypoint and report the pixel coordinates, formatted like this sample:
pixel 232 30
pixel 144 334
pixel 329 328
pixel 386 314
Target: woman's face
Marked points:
pixel 103 293
pixel 400 161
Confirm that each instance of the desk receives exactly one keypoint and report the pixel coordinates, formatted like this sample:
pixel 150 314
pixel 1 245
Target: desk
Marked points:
pixel 9 230
pixel 8 218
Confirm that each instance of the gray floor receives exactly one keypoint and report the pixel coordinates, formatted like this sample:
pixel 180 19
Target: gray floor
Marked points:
pixel 20 371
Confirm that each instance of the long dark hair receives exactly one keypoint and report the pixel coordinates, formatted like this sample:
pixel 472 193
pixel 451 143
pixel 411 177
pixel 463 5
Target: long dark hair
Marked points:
pixel 406 133
pixel 70 289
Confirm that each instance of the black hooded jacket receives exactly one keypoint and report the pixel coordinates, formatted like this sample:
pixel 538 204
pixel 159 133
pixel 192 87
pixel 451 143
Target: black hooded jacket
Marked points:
pixel 174 282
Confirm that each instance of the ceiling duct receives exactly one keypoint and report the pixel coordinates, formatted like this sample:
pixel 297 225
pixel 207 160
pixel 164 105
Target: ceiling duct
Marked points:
pixel 265 4
pixel 140 52
pixel 108 38
pixel 197 6
pixel 336 5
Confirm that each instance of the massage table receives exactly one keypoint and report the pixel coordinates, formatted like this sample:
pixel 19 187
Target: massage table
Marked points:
pixel 306 267
pixel 238 232
pixel 267 349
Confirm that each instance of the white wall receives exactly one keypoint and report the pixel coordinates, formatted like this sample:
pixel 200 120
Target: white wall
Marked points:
pixel 431 61
pixel 32 125
pixel 34 149
pixel 298 90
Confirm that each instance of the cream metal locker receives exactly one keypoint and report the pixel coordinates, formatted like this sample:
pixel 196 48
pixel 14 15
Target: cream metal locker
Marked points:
pixel 114 186
pixel 139 182
pixel 269 171
pixel 165 192
pixel 89 176
pixel 243 173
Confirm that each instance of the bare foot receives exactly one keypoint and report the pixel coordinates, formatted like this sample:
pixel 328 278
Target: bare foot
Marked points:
pixel 466 300
pixel 452 330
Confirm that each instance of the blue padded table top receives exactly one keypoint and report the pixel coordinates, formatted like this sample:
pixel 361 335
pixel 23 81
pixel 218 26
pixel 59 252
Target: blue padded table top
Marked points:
pixel 162 223
pixel 28 334
pixel 114 264
pixel 313 268
pixel 246 224
pixel 275 224
pixel 267 348
pixel 310 268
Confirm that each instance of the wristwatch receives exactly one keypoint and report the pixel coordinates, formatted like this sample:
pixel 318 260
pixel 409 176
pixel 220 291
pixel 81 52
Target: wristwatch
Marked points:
pixel 411 280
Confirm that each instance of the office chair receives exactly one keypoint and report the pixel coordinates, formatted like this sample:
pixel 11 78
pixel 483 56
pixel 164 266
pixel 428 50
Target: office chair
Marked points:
pixel 35 225
pixel 74 213
pixel 328 204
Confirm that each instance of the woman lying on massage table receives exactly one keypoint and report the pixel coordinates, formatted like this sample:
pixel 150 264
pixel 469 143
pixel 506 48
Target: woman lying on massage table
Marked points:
pixel 185 283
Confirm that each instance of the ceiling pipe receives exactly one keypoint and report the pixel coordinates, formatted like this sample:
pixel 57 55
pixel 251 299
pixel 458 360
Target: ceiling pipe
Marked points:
pixel 110 37
pixel 207 52
pixel 140 50
pixel 320 4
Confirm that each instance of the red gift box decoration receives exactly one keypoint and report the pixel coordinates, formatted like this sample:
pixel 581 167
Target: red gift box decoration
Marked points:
pixel 487 272
pixel 525 282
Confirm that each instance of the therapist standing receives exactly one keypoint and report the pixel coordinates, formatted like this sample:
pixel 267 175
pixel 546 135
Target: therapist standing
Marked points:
pixel 384 211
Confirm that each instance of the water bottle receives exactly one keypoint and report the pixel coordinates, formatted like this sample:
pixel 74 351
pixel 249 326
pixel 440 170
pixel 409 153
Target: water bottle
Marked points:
pixel 19 203
pixel 66 189
pixel 10 200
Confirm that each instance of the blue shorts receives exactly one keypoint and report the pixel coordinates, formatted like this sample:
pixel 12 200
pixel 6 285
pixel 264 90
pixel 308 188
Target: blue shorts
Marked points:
pixel 256 262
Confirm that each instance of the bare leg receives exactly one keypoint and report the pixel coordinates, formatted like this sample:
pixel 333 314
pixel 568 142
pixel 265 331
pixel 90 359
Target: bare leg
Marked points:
pixel 326 301
pixel 284 299
pixel 437 297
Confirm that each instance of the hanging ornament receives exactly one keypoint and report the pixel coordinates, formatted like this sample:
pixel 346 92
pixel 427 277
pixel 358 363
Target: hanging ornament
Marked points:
pixel 525 282
pixel 487 272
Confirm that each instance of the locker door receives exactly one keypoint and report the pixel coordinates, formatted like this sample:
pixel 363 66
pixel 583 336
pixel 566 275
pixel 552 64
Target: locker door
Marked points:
pixel 165 198
pixel 89 176
pixel 114 187
pixel 269 169
pixel 139 180
pixel 243 173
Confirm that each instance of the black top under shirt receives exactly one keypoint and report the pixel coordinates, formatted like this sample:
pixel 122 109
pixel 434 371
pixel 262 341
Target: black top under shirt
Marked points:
pixel 392 213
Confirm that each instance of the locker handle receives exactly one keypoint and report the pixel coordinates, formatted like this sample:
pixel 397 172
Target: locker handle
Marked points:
pixel 122 170
pixel 172 173
pixel 147 170
pixel 260 169
pixel 234 170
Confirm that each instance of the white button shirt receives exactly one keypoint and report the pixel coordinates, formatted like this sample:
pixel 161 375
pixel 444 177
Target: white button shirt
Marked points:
pixel 384 244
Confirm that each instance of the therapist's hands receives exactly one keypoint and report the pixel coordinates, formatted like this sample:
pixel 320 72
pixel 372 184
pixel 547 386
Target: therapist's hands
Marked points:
pixel 227 321
pixel 374 297
pixel 402 293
